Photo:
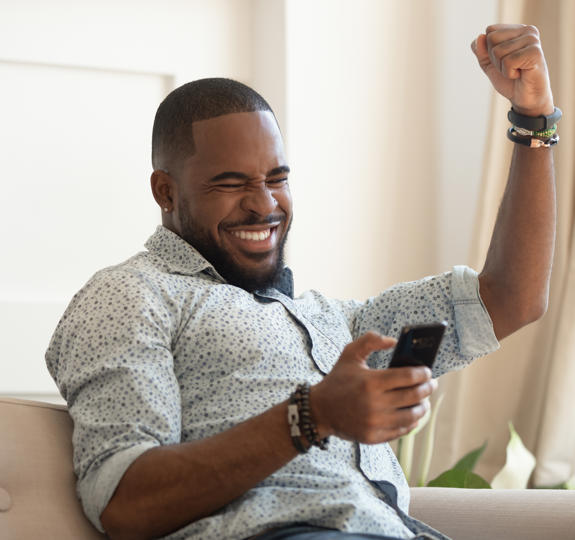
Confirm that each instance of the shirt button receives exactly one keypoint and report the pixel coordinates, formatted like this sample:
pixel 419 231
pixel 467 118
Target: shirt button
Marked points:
pixel 5 500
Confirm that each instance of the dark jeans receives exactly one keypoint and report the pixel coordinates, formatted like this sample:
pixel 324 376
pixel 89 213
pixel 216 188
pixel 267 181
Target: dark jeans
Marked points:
pixel 307 532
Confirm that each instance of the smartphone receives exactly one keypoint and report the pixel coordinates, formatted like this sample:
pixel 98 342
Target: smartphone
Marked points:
pixel 418 344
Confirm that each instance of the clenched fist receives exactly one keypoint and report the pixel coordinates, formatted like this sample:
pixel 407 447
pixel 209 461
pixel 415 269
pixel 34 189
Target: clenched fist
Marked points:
pixel 512 58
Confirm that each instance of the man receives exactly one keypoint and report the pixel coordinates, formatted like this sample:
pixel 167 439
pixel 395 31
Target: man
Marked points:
pixel 178 365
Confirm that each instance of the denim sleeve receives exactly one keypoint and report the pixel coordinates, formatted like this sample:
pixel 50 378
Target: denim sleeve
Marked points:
pixel 452 297
pixel 111 359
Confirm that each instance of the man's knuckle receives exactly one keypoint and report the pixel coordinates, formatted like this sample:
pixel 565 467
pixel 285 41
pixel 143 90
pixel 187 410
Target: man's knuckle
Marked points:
pixel 506 66
pixel 498 51
pixel 400 431
pixel 413 414
pixel 535 49
pixel 418 393
pixel 412 377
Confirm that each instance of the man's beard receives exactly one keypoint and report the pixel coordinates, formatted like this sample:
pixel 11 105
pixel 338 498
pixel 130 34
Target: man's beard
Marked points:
pixel 198 237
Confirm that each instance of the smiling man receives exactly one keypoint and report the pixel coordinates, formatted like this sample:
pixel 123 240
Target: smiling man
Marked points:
pixel 203 393
pixel 229 198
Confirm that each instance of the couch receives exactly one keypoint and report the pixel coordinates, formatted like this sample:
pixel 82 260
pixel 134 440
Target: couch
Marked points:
pixel 37 496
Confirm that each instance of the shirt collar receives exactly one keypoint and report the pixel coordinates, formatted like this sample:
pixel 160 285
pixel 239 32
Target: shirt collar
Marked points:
pixel 182 258
pixel 179 256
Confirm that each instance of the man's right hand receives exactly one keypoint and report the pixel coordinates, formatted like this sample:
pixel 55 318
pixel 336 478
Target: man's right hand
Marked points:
pixel 367 405
pixel 170 486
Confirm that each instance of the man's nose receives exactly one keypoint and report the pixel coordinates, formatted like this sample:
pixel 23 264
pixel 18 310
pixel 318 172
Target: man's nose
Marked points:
pixel 259 199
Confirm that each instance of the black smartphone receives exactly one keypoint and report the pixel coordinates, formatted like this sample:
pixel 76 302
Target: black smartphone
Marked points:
pixel 417 345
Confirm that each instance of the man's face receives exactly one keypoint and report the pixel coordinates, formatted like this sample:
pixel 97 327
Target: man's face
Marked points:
pixel 233 201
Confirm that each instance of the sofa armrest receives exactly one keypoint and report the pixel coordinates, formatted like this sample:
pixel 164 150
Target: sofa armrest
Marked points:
pixel 506 514
pixel 37 480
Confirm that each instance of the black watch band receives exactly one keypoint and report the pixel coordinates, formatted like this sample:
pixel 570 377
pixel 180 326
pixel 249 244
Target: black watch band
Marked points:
pixel 534 123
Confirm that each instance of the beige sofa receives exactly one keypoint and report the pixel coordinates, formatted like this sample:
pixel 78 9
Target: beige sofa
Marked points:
pixel 37 497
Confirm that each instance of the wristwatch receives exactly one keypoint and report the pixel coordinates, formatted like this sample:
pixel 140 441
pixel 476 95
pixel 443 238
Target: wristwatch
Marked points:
pixel 534 123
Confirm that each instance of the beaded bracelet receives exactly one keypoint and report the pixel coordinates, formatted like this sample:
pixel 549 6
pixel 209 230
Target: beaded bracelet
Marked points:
pixel 542 134
pixel 300 421
pixel 532 142
pixel 293 421
pixel 307 425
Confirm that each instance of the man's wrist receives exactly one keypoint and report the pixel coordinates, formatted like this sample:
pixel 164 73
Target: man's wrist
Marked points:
pixel 541 110
pixel 316 402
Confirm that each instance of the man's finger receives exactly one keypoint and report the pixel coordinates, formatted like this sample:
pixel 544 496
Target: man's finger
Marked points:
pixel 496 33
pixel 402 377
pixel 402 419
pixel 362 347
pixel 408 397
pixel 513 55
pixel 479 48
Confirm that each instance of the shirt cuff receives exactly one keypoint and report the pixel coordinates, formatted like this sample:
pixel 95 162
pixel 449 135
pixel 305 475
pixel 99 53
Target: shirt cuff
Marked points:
pixel 96 488
pixel 472 321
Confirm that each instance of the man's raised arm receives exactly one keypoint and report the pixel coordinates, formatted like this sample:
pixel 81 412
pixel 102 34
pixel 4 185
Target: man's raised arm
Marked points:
pixel 514 282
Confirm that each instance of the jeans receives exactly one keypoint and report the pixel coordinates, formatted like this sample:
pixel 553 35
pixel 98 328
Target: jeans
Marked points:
pixel 309 532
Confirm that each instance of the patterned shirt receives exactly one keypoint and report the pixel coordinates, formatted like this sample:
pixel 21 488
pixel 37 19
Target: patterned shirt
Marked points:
pixel 160 350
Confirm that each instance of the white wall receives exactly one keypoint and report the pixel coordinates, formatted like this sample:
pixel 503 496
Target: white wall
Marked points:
pixel 376 200
pixel 464 95
pixel 81 83
pixel 386 117
pixel 348 89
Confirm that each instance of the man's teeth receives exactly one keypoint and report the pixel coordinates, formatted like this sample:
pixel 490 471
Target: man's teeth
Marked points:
pixel 252 235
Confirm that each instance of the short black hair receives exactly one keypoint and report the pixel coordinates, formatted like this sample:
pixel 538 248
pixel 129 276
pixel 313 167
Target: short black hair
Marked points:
pixel 172 138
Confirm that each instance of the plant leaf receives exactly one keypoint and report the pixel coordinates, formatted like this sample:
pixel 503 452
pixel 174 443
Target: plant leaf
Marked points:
pixel 459 478
pixel 468 461
pixel 405 456
pixel 518 466
pixel 562 485
pixel 406 445
pixel 428 445
pixel 569 484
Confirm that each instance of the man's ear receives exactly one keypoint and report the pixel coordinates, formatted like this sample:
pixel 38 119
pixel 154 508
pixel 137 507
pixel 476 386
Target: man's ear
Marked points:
pixel 163 188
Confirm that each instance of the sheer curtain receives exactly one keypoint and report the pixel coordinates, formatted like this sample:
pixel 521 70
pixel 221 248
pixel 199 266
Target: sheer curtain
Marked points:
pixel 531 379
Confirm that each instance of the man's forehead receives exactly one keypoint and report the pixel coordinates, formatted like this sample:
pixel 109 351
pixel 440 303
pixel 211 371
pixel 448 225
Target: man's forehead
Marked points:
pixel 237 121
pixel 237 136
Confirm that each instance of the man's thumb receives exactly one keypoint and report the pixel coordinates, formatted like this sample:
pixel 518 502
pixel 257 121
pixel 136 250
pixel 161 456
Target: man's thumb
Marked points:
pixel 362 347
pixel 479 48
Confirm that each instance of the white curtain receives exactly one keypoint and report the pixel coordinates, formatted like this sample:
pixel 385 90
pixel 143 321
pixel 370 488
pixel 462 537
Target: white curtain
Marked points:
pixel 531 379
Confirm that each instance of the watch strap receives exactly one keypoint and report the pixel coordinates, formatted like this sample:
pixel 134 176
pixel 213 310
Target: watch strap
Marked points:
pixel 534 123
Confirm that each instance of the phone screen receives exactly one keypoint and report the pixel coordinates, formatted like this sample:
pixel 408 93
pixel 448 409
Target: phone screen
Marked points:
pixel 418 345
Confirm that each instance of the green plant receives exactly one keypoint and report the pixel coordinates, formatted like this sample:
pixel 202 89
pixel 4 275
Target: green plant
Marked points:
pixel 462 475
pixel 515 474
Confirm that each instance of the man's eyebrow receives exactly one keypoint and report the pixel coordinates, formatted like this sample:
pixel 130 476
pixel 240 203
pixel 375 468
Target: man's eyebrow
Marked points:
pixel 282 169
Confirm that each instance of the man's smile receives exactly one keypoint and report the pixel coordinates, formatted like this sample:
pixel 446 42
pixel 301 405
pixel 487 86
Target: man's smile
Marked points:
pixel 252 235
pixel 255 239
